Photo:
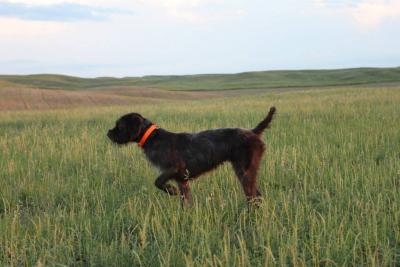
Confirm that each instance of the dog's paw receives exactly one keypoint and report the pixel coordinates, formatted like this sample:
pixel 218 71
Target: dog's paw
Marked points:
pixel 255 202
pixel 172 190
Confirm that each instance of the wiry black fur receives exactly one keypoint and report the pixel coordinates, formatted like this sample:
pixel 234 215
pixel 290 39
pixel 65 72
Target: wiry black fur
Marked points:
pixel 185 156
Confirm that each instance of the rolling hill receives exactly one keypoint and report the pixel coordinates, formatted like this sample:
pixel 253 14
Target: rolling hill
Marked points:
pixel 49 91
pixel 245 80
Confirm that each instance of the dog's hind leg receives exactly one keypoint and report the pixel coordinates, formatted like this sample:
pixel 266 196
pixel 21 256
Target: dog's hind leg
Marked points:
pixel 246 168
pixel 161 183
pixel 248 181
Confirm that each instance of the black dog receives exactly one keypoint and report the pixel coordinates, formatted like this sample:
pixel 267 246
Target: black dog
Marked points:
pixel 185 156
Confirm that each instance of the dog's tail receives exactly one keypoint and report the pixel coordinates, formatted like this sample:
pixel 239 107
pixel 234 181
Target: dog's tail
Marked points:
pixel 264 123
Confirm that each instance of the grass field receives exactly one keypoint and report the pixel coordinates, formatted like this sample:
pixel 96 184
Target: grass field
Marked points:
pixel 330 180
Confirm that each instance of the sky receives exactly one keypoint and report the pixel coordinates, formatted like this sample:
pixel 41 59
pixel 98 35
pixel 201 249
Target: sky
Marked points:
pixel 92 38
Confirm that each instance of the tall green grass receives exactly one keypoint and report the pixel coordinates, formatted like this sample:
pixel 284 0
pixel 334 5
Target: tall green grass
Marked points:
pixel 330 180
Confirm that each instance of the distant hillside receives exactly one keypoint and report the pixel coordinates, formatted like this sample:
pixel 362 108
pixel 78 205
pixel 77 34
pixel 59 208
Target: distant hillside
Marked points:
pixel 246 80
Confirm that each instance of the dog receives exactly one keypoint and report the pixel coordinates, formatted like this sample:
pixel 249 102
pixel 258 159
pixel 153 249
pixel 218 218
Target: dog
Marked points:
pixel 185 156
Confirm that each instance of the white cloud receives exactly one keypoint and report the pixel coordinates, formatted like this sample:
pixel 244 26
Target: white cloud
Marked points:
pixel 193 11
pixel 98 3
pixel 371 14
pixel 12 27
pixel 367 14
pixel 52 2
pixel 197 11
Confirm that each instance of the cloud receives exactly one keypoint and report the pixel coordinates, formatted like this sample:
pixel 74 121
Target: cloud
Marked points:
pixel 368 14
pixel 97 3
pixel 67 12
pixel 338 4
pixel 192 11
pixel 198 11
pixel 371 14
pixel 12 27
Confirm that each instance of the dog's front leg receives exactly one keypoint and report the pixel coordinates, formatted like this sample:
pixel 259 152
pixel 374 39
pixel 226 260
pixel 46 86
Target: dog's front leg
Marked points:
pixel 161 183
pixel 186 196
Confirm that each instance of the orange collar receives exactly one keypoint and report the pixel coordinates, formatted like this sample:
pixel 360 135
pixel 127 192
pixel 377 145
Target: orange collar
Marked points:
pixel 147 134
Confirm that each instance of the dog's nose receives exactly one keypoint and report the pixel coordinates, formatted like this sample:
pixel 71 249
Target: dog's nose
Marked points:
pixel 109 133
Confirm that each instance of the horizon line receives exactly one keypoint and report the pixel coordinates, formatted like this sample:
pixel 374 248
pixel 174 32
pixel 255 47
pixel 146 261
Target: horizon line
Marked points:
pixel 205 74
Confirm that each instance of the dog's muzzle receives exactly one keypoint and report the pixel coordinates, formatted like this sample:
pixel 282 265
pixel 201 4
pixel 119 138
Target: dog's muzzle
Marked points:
pixel 109 134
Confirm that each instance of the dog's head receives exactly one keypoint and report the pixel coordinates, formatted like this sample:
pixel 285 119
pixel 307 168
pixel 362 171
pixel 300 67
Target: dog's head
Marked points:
pixel 128 128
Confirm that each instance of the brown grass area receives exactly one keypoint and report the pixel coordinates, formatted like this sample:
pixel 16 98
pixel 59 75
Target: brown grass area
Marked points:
pixel 155 93
pixel 15 97
pixel 33 98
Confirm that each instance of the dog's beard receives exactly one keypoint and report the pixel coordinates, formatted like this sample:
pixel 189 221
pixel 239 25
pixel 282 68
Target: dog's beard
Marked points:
pixel 115 138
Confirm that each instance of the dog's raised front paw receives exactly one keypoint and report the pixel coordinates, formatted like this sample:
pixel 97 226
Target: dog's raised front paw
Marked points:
pixel 170 189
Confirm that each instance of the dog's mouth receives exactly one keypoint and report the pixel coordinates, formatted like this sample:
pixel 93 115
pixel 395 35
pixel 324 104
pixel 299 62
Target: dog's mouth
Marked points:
pixel 111 136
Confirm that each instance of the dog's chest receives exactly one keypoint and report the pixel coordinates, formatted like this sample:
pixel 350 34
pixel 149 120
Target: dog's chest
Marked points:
pixel 159 159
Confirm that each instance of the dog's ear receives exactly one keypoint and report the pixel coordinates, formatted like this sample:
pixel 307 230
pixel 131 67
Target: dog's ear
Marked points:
pixel 134 126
